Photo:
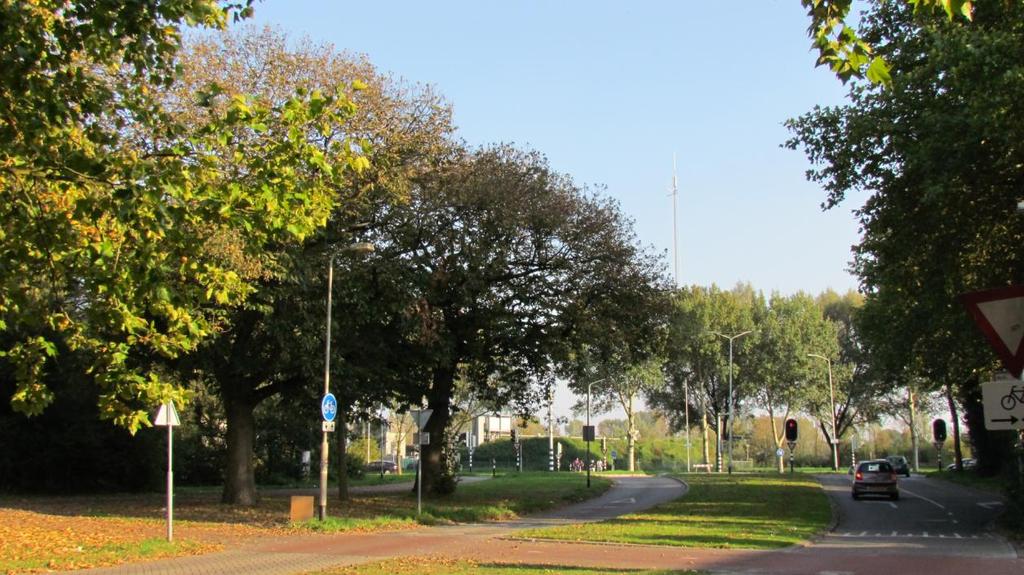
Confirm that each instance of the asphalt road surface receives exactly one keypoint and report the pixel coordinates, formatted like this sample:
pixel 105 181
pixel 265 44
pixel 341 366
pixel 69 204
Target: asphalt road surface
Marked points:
pixel 931 517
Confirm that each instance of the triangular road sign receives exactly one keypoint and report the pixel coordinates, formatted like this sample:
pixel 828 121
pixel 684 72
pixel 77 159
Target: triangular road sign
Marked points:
pixel 167 415
pixel 1000 315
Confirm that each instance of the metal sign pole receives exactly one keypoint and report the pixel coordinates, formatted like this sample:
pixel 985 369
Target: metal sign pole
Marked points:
pixel 170 483
pixel 168 416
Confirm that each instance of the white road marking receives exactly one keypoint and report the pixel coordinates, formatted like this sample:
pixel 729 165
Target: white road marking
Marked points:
pixel 933 502
pixel 893 505
pixel 990 504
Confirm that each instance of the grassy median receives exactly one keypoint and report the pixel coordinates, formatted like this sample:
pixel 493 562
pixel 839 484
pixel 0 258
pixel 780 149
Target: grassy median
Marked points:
pixel 756 511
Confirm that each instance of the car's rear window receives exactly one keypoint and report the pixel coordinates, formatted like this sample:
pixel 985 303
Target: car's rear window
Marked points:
pixel 875 467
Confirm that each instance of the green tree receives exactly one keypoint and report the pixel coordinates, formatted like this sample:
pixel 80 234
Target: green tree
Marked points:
pixel 492 260
pixel 622 385
pixel 841 46
pixel 266 347
pixel 699 360
pixel 108 203
pixel 777 364
pixel 932 228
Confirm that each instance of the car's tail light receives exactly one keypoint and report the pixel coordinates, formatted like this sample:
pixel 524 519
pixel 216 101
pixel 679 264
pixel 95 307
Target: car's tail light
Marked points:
pixel 892 476
pixel 859 476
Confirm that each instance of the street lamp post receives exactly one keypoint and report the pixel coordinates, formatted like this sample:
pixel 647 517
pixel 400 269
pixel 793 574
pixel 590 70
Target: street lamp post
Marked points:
pixel 728 424
pixel 589 385
pixel 832 405
pixel 361 247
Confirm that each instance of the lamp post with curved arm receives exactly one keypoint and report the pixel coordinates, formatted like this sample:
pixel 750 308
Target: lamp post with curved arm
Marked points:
pixel 832 404
pixel 728 424
pixel 362 248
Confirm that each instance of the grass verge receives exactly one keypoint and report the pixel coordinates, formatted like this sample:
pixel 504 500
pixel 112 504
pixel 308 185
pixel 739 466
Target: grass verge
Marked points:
pixel 62 533
pixel 969 478
pixel 504 497
pixel 444 566
pixel 720 511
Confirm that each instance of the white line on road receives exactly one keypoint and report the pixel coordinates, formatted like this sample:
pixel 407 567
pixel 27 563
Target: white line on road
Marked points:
pixel 933 502
pixel 990 504
pixel 893 505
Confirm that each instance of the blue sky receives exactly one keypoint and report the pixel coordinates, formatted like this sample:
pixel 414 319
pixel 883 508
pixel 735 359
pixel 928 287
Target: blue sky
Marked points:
pixel 608 91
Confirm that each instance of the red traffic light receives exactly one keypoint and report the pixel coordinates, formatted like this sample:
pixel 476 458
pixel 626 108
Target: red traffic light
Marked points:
pixel 791 430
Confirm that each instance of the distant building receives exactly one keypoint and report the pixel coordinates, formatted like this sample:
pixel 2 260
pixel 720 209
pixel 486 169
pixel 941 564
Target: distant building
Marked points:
pixel 486 428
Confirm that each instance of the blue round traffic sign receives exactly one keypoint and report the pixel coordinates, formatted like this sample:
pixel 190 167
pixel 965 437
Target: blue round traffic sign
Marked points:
pixel 329 407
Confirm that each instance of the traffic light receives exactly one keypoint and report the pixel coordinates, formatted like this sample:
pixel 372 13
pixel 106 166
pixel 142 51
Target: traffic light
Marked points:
pixel 939 430
pixel 515 435
pixel 791 430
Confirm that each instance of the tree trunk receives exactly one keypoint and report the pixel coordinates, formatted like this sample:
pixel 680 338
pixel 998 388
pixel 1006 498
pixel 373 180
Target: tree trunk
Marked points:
pixel 778 439
pixel 439 400
pixel 341 433
pixel 704 436
pixel 239 475
pixel 631 439
pixel 833 453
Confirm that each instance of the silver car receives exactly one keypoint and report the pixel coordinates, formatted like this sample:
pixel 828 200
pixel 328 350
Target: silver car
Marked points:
pixel 876 477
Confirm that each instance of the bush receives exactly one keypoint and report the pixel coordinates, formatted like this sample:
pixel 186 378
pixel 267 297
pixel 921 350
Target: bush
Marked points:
pixel 354 465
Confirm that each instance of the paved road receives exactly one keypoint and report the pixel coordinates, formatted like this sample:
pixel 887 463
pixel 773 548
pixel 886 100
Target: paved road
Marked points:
pixel 931 517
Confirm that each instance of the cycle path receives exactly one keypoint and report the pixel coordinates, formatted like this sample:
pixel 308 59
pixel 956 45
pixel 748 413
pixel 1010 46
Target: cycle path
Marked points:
pixel 304 553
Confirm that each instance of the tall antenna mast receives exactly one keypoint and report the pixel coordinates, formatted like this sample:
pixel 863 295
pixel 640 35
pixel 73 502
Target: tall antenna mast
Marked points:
pixel 675 265
pixel 675 225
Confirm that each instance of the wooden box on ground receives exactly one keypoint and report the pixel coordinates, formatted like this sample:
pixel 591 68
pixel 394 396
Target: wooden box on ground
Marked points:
pixel 302 508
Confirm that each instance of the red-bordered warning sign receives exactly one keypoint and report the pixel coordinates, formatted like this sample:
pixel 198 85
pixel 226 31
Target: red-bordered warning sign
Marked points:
pixel 1000 315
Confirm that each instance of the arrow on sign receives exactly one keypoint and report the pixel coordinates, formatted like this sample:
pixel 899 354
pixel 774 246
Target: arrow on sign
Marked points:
pixel 1011 420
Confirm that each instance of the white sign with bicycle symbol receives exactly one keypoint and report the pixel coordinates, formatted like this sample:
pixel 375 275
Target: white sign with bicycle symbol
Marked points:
pixel 1004 404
